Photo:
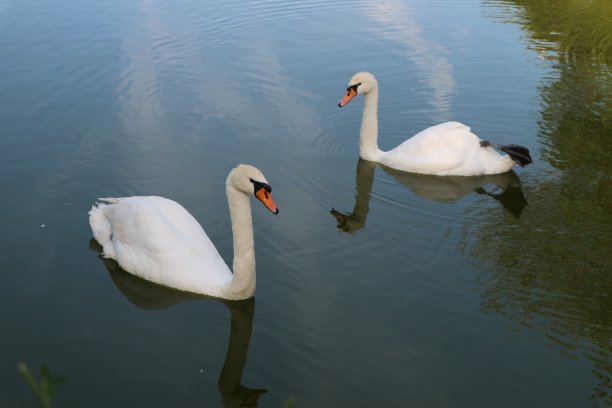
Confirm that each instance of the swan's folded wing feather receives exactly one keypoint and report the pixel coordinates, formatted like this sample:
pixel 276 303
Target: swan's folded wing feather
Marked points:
pixel 434 138
pixel 153 236
pixel 440 149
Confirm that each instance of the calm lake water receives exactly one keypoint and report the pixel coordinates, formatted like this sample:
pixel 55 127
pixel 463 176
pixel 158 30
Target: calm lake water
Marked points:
pixel 416 291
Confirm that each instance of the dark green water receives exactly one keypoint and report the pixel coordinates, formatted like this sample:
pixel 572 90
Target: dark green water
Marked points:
pixel 417 291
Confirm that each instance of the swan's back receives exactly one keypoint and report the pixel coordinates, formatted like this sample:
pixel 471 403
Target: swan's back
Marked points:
pixel 449 148
pixel 158 240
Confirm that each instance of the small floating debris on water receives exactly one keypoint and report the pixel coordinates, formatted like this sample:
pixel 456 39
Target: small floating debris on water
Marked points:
pixel 42 226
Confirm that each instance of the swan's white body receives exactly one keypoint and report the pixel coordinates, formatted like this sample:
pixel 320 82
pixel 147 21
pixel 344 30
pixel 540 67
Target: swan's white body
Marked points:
pixel 158 240
pixel 446 149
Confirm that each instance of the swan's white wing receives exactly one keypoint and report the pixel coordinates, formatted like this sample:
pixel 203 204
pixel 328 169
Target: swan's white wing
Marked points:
pixel 180 219
pixel 439 136
pixel 447 148
pixel 158 240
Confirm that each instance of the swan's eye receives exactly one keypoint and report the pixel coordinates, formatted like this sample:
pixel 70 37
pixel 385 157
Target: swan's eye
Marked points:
pixel 352 88
pixel 258 185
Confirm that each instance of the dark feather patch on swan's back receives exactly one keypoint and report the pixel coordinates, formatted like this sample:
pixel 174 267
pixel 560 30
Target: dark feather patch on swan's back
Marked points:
pixel 519 154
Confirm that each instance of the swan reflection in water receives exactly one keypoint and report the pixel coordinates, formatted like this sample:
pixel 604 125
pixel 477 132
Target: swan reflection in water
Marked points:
pixel 447 189
pixel 149 296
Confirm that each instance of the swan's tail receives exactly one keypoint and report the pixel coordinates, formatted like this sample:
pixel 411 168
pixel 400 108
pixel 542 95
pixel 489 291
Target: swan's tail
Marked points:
pixel 100 226
pixel 520 154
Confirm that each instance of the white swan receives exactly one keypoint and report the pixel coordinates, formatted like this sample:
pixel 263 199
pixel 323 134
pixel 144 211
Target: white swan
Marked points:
pixel 158 240
pixel 446 149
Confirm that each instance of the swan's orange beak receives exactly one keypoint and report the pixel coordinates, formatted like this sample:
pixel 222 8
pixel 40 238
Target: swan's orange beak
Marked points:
pixel 264 196
pixel 351 92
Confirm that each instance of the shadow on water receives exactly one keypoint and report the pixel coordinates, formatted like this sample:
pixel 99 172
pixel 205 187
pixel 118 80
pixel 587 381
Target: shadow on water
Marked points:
pixel 149 296
pixel 506 189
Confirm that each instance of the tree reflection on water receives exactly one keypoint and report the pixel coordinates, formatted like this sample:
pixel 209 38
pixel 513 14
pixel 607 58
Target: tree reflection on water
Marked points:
pixel 552 266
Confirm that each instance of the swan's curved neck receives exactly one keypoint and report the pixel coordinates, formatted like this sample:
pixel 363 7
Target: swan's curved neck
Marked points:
pixel 368 136
pixel 242 285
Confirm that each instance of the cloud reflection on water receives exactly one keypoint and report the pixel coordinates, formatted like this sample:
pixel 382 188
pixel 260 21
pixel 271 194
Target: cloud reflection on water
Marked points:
pixel 398 24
